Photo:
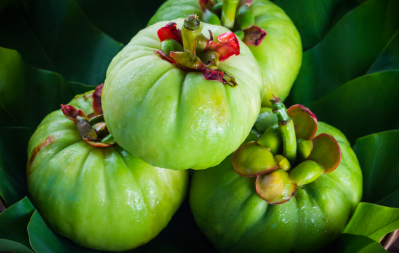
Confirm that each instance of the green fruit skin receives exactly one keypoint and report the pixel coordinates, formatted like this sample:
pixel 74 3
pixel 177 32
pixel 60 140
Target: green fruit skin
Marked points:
pixel 101 198
pixel 280 53
pixel 173 119
pixel 235 219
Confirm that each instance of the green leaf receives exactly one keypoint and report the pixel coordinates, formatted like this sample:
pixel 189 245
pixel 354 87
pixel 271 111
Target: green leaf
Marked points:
pixel 13 145
pixel 28 94
pixel 389 58
pixel 379 160
pixel 347 243
pixel 57 36
pixel 347 51
pixel 120 19
pixel 373 221
pixel 14 220
pixel 41 237
pixel 311 17
pixel 363 106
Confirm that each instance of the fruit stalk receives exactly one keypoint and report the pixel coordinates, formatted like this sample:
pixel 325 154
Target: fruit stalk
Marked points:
pixel 229 13
pixel 287 129
pixel 191 29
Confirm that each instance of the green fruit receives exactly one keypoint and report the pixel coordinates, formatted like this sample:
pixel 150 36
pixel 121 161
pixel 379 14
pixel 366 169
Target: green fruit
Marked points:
pixel 235 218
pixel 280 53
pixel 101 198
pixel 176 119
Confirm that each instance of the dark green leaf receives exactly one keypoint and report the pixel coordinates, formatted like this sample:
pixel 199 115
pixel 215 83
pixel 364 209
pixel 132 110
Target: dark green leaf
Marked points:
pixel 120 19
pixel 14 220
pixel 389 58
pixel 347 243
pixel 28 94
pixel 42 238
pixel 379 160
pixel 311 17
pixel 347 51
pixel 13 146
pixel 366 105
pixel 57 36
pixel 373 221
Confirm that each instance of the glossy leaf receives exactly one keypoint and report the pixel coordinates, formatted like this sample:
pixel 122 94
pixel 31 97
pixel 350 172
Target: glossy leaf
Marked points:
pixel 347 243
pixel 304 13
pixel 363 106
pixel 28 94
pixel 379 160
pixel 120 19
pixel 347 51
pixel 326 152
pixel 373 221
pixel 14 220
pixel 13 145
pixel 56 35
pixel 305 121
pixel 252 159
pixel 389 58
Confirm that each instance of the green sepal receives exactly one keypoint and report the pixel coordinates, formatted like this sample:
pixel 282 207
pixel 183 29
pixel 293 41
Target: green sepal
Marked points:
pixel 306 172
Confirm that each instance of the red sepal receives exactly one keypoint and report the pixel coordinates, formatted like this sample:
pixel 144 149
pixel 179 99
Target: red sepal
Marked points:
pixel 254 36
pixel 170 32
pixel 228 45
pixel 72 113
pixel 98 110
pixel 205 4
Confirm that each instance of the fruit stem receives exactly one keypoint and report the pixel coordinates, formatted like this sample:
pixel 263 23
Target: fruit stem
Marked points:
pixel 229 13
pixel 191 29
pixel 286 126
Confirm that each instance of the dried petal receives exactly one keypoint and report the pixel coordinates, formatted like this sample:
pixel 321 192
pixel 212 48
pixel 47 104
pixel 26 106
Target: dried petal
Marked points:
pixel 252 159
pixel 326 152
pixel 170 32
pixel 228 45
pixel 98 110
pixel 244 2
pixel 304 120
pixel 205 4
pixel 98 144
pixel 254 36
pixel 167 58
pixel 71 112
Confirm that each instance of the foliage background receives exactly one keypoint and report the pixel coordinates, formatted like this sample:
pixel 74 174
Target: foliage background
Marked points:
pixel 51 50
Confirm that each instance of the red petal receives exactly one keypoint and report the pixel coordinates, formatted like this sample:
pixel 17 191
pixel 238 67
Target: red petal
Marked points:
pixel 214 75
pixel 228 45
pixel 98 110
pixel 254 36
pixel 169 32
pixel 205 4
pixel 72 113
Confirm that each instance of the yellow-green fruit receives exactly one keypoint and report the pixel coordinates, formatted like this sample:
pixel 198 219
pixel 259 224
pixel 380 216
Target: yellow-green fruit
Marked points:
pixel 101 198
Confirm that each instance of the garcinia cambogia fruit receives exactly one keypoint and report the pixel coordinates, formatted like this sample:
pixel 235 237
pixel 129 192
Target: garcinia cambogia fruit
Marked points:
pixel 182 109
pixel 263 26
pixel 93 191
pixel 301 205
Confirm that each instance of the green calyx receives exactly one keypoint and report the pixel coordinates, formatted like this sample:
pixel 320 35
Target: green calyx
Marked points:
pixel 305 157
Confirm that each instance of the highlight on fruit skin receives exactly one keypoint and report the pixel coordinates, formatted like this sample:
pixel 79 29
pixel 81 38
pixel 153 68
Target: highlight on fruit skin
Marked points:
pixel 191 51
pixel 305 157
